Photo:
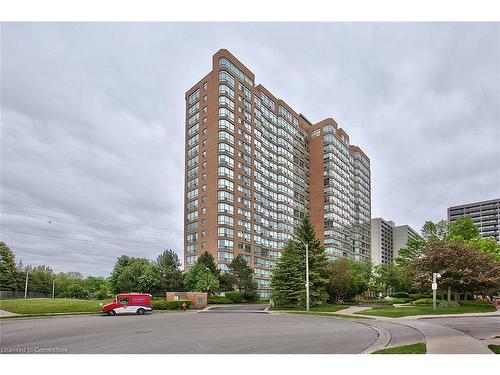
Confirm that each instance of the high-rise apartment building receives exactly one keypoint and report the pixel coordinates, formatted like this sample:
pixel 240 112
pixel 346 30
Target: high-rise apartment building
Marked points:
pixel 255 167
pixel 485 215
pixel 387 238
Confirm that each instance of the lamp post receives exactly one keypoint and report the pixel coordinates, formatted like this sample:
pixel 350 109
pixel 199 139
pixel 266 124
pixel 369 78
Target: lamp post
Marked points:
pixel 307 270
pixel 435 276
pixel 26 284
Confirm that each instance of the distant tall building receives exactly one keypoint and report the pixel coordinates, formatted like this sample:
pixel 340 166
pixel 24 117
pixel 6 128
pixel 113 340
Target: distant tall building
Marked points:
pixel 387 239
pixel 485 214
pixel 254 168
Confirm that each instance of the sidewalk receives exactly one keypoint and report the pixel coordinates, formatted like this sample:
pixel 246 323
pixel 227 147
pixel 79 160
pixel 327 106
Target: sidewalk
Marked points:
pixel 439 339
pixel 4 313
pixel 444 340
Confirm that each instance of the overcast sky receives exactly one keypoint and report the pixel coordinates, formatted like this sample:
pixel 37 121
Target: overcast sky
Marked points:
pixel 92 122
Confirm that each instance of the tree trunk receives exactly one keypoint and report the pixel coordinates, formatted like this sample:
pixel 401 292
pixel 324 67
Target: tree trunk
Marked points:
pixel 449 294
pixel 466 295
pixel 457 297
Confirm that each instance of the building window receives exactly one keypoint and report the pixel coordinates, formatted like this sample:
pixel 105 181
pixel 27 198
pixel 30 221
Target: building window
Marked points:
pixel 205 86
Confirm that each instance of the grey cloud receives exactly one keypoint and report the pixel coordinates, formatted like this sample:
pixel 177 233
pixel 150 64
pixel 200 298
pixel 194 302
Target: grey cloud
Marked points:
pixel 92 122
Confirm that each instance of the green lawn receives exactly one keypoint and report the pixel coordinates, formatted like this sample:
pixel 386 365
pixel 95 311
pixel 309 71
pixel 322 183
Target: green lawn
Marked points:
pixel 323 308
pixel 35 306
pixel 494 348
pixel 329 314
pixel 419 348
pixel 396 312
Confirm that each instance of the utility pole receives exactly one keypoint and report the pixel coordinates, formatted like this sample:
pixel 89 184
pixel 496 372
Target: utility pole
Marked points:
pixel 53 288
pixel 26 285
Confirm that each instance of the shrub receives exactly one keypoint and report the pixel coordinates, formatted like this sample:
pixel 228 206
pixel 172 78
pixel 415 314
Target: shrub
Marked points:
pixel 159 305
pixel 420 296
pixel 101 294
pixel 250 296
pixel 446 304
pixel 168 305
pixel 234 297
pixel 400 295
pixel 423 301
pixel 400 300
pixel 218 300
pixel 478 302
pixel 375 302
pixel 77 291
pixel 176 305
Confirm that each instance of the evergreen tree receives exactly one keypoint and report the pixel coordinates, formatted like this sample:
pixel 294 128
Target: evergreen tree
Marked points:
pixel 289 275
pixel 288 281
pixel 168 267
pixel 208 261
pixel 242 275
pixel 8 271
pixel 318 262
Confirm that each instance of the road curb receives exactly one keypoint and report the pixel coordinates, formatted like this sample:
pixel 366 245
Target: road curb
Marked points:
pixel 382 341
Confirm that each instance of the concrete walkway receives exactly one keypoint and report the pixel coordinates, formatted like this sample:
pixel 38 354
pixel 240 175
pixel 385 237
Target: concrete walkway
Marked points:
pixel 439 339
pixel 4 313
pixel 445 340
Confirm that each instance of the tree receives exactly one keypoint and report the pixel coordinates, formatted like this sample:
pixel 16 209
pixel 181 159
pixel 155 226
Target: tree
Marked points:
pixel 486 245
pixel 8 271
pixel 463 229
pixel 133 275
pixel 288 278
pixel 40 279
pixel 242 274
pixel 318 262
pixel 93 283
pixel 226 282
pixel 77 291
pixel 389 277
pixel 208 261
pixel 461 266
pixel 435 231
pixel 340 280
pixel 199 277
pixel 170 275
pixel 414 249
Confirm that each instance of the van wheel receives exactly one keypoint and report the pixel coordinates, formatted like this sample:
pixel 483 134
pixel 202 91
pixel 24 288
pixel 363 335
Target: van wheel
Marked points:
pixel 112 313
pixel 140 311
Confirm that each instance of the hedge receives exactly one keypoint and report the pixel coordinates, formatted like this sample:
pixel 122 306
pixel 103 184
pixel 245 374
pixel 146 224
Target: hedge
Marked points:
pixel 420 296
pixel 478 302
pixel 399 295
pixel 218 300
pixel 234 297
pixel 423 301
pixel 169 305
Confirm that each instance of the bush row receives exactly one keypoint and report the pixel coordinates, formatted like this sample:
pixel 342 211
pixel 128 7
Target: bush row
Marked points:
pixel 218 300
pixel 169 305
pixel 237 297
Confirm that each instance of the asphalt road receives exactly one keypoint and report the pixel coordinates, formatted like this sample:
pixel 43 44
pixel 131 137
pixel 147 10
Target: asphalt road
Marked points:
pixel 218 331
pixel 480 328
pixel 188 332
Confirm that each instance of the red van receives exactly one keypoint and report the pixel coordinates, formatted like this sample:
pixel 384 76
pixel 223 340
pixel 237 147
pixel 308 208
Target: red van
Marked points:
pixel 128 303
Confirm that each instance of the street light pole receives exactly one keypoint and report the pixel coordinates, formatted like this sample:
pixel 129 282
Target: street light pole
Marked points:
pixel 26 284
pixel 435 276
pixel 307 271
pixel 53 288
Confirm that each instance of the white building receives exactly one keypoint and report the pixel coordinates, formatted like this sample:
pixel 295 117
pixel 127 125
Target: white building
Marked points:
pixel 387 239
